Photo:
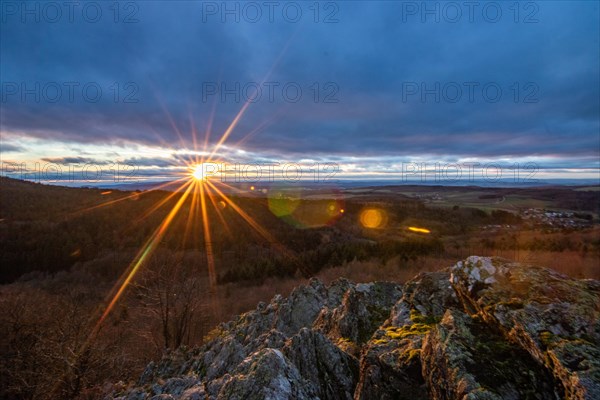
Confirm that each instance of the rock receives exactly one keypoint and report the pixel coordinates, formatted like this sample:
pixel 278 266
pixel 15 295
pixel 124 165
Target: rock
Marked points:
pixel 197 392
pixel 463 358
pixel 553 317
pixel 390 363
pixel 266 374
pixel 362 310
pixel 330 373
pixel 486 328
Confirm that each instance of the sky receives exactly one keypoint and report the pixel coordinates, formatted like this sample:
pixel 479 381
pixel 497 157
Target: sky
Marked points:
pixel 374 90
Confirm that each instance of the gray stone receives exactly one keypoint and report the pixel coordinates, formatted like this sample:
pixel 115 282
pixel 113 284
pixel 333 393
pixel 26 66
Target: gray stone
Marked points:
pixel 486 328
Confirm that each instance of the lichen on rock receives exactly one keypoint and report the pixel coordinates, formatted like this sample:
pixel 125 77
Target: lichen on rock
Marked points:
pixel 486 328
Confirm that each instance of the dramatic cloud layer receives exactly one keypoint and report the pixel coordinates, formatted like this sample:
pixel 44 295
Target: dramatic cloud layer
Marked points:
pixel 379 81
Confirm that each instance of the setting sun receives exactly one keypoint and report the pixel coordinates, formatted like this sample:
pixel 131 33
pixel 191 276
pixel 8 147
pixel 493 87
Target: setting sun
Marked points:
pixel 198 173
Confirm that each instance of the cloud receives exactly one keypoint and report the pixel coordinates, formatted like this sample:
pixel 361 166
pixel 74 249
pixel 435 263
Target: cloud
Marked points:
pixel 73 160
pixel 10 148
pixel 151 162
pixel 153 76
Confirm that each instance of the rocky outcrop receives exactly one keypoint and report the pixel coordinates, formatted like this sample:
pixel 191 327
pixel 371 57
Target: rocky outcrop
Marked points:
pixel 486 328
pixel 554 318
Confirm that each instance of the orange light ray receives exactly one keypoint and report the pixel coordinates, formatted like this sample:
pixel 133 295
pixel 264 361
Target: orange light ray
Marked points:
pixel 233 188
pixel 218 211
pixel 136 194
pixel 161 140
pixel 209 123
pixel 266 235
pixel 197 216
pixel 262 126
pixel 146 251
pixel 151 243
pixel 191 215
pixel 229 129
pixel 249 219
pixel 240 113
pixel 172 122
pixel 212 275
pixel 157 206
pixel 193 133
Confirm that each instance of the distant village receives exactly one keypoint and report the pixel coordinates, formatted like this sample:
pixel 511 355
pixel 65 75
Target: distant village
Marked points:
pixel 547 219
pixel 558 219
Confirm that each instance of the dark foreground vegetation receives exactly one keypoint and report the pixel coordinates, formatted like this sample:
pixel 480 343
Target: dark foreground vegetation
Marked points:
pixel 64 250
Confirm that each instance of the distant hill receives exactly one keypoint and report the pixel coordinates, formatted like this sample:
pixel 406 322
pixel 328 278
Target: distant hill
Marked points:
pixel 50 228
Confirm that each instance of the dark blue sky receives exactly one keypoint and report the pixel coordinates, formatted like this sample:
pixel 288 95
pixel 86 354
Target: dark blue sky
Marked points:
pixel 381 82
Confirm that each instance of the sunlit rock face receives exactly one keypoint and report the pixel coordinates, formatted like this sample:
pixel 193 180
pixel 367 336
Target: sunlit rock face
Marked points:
pixel 485 328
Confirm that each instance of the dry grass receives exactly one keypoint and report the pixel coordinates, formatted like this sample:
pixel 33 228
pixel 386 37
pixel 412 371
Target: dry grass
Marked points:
pixel 394 270
pixel 236 298
pixel 571 263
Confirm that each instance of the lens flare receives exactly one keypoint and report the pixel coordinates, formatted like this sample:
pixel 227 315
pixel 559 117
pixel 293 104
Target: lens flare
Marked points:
pixel 418 230
pixel 305 210
pixel 373 218
pixel 282 203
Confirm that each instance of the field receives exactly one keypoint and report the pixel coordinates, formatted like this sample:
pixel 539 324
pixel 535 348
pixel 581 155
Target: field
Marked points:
pixel 66 251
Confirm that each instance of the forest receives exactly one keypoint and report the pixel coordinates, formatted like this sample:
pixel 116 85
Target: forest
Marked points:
pixel 65 250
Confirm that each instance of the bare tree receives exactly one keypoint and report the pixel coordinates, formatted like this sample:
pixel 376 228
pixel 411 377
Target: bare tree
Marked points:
pixel 174 297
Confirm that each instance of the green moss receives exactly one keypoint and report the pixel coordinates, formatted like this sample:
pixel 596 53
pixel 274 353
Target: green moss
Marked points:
pixel 419 318
pixel 344 341
pixel 411 355
pixel 421 325
pixel 513 303
pixel 381 341
pixel 547 338
pixel 213 334
pixel 407 330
